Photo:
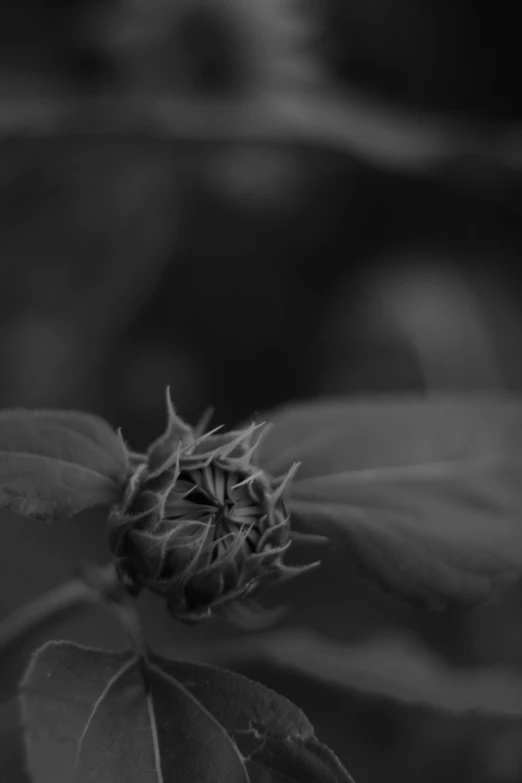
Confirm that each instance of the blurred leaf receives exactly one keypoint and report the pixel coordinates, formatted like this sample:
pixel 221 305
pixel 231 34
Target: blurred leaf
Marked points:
pixel 87 716
pixel 428 492
pixel 54 464
pixel 395 668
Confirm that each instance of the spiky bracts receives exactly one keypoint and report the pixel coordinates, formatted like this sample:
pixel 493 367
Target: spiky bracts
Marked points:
pixel 199 523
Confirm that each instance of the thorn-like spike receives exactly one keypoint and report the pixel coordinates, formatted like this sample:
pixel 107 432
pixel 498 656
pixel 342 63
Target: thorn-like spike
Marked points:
pixel 161 451
pixel 238 539
pixel 204 421
pixel 245 461
pixel 171 413
pixel 268 426
pixel 119 434
pixel 132 485
pixel 268 534
pixel 269 554
pixel 205 436
pixel 177 466
pixel 190 567
pixel 288 572
pixel 262 426
pixel 249 479
pixel 170 460
pixel 174 420
pixel 284 483
pixel 242 437
pixel 163 497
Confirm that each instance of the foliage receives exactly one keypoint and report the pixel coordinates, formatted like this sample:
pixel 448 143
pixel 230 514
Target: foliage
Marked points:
pixel 392 667
pixel 192 722
pixel 426 493
pixel 54 464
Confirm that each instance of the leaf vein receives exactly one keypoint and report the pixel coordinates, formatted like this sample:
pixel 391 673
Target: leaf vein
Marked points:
pixel 155 739
pixel 198 704
pixel 113 680
pixel 429 470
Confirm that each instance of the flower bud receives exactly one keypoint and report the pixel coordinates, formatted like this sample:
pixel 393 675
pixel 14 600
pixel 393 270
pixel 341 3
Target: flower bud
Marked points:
pixel 200 523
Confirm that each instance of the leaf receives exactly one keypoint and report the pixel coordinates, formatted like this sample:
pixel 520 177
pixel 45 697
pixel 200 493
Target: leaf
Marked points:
pixel 393 667
pixel 428 492
pixel 54 464
pixel 87 717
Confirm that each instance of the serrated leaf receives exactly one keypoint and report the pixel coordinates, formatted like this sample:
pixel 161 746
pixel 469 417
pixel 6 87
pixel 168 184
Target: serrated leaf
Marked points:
pixel 54 464
pixel 392 667
pixel 428 492
pixel 88 717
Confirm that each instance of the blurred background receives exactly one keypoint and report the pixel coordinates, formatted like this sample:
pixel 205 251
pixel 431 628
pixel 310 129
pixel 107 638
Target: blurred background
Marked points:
pixel 255 201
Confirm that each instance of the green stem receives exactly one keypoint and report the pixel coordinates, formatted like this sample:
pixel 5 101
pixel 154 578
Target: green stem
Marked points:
pixel 54 605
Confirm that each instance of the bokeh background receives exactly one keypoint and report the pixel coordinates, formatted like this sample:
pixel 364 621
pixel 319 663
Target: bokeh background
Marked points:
pixel 255 201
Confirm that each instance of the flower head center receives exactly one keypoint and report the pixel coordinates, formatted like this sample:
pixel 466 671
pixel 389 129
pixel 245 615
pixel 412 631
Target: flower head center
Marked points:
pixel 226 499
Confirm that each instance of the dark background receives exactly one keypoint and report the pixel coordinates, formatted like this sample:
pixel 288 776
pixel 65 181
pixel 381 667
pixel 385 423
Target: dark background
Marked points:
pixel 249 267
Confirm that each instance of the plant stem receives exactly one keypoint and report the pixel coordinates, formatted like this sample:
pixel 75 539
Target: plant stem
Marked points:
pixel 54 605
pixel 328 117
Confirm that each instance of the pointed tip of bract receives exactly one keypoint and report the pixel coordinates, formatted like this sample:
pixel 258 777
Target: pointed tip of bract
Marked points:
pixel 162 452
pixel 284 484
pixel 201 427
pixel 289 571
pixel 174 422
pixel 168 401
pixel 240 440
pixel 130 489
pixel 119 433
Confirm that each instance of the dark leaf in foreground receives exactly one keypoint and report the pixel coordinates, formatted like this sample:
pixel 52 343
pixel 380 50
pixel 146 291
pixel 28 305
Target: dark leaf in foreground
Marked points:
pixel 391 667
pixel 54 464
pixel 427 492
pixel 88 717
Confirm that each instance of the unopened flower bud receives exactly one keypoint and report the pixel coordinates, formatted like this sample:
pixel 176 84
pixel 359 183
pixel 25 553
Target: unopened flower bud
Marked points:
pixel 200 523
